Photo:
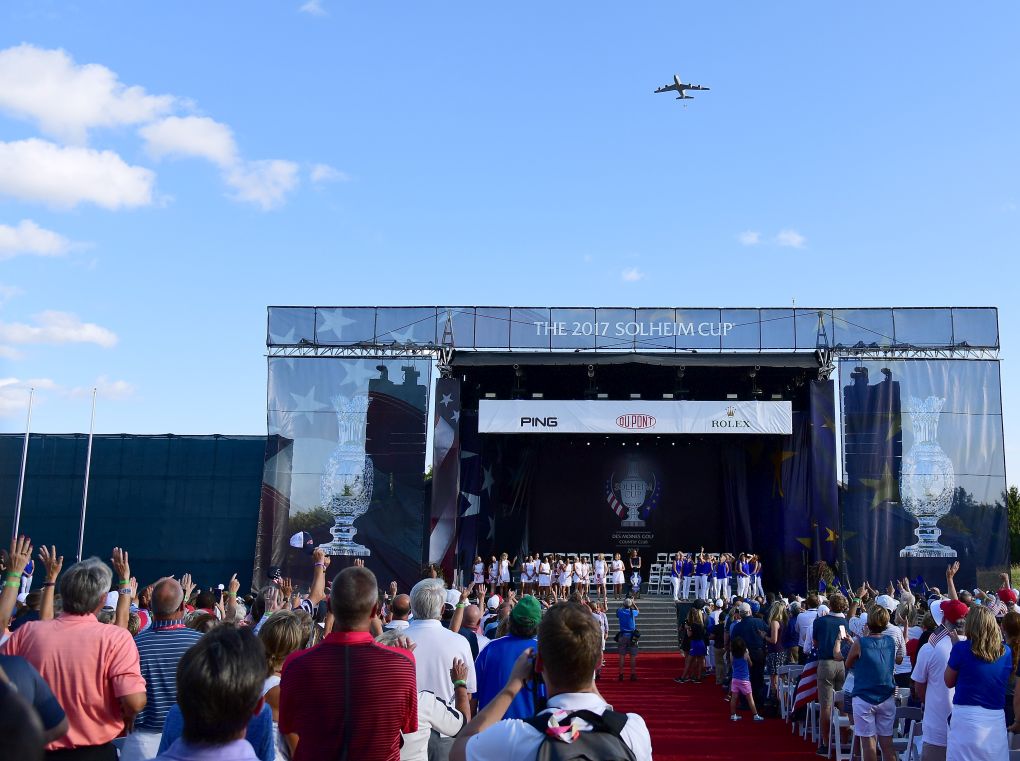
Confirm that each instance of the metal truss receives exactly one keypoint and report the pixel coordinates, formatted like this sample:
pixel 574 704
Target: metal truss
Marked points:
pixel 384 351
pixel 915 352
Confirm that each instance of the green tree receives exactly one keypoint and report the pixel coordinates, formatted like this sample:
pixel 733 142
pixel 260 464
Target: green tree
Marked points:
pixel 1013 513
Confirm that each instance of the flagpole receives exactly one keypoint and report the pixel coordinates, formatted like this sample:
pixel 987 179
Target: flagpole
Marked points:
pixel 24 462
pixel 88 469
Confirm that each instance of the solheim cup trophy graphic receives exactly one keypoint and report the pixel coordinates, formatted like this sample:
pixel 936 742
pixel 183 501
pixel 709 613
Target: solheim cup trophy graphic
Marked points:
pixel 927 480
pixel 346 486
pixel 633 490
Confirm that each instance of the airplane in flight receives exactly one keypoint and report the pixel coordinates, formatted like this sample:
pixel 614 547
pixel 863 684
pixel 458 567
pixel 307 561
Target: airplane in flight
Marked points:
pixel 679 87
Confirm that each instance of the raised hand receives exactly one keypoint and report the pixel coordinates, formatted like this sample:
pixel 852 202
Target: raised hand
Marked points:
pixel 287 588
pixel 21 553
pixel 393 589
pixel 48 557
pixel 121 564
pixel 952 569
pixel 134 588
pixel 459 671
pixel 233 585
pixel 187 585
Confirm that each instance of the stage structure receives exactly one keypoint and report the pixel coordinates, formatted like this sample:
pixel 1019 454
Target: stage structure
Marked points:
pixel 605 429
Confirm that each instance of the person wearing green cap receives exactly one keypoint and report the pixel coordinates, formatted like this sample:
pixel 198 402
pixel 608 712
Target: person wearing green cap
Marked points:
pixel 496 661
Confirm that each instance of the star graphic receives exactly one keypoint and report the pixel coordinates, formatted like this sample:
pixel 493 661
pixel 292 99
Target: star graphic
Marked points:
pixel 307 404
pixel 332 320
pixel 474 504
pixel 358 373
pixel 464 454
pixel 778 458
pixel 886 488
pixel 805 540
pixel 455 415
pixel 286 338
pixel 489 480
pixel 831 535
pixel 447 400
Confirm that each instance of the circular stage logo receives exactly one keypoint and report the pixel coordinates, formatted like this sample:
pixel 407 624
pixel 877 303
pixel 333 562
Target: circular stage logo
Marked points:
pixel 634 421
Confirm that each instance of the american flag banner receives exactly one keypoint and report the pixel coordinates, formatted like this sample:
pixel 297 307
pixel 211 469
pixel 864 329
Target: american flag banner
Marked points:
pixel 807 688
pixel 446 472
pixel 614 504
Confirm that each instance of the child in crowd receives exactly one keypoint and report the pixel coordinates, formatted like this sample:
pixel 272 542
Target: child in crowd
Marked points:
pixel 740 684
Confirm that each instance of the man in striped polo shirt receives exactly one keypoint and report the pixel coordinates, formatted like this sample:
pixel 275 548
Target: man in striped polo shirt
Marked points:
pixel 159 649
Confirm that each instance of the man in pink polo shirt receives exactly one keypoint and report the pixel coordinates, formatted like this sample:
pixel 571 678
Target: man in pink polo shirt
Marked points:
pixel 92 668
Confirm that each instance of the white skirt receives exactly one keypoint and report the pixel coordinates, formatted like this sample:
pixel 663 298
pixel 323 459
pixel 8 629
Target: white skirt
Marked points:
pixel 565 581
pixel 504 577
pixel 600 578
pixel 479 578
pixel 543 579
pixel 618 577
pixel 977 734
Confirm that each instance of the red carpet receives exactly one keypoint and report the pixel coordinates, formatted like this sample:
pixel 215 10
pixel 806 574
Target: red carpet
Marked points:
pixel 691 721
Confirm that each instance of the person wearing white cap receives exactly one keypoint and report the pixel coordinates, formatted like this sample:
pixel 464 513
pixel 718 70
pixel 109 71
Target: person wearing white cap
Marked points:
pixel 891 630
pixel 929 677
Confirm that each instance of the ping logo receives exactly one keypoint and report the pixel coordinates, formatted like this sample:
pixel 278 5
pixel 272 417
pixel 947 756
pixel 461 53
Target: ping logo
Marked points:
pixel 539 422
pixel 634 421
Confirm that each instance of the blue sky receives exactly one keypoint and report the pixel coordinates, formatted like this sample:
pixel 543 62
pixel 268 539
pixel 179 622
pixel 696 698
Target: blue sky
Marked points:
pixel 176 168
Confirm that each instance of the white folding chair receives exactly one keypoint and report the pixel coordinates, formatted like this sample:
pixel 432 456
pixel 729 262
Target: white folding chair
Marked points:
pixel 840 721
pixel 662 557
pixel 908 724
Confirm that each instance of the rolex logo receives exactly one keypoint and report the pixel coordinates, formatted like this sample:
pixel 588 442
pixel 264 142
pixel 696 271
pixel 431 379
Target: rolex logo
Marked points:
pixel 731 411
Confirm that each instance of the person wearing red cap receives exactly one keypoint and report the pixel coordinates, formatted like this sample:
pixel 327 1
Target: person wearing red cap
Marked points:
pixel 929 672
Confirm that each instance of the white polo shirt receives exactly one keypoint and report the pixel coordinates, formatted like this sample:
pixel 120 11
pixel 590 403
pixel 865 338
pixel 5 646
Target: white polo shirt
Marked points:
pixel 436 649
pixel 938 699
pixel 805 629
pixel 397 624
pixel 514 739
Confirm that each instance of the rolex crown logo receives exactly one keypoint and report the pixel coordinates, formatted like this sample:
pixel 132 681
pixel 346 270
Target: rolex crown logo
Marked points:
pixel 731 412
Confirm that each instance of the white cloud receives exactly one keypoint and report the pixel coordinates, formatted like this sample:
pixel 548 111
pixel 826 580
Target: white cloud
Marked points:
pixel 749 238
pixel 264 183
pixel 313 8
pixel 67 99
pixel 9 352
pixel 631 275
pixel 325 173
pixel 53 327
pixel 14 393
pixel 28 238
pixel 191 136
pixel 38 170
pixel 790 238
pixel 105 389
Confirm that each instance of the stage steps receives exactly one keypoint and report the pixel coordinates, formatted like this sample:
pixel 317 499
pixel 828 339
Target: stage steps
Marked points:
pixel 656 621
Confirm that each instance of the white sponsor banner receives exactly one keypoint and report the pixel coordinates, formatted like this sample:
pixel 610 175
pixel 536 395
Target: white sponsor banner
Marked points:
pixel 666 417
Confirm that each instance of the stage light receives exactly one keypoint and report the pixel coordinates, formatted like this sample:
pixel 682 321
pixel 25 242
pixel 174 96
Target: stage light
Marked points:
pixel 674 443
pixel 603 396
pixel 667 396
pixel 537 395
pixel 731 396
pixel 587 443
pixel 777 397
pixel 635 396
pixel 489 395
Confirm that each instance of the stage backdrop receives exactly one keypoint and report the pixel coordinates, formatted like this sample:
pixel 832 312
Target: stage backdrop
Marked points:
pixel 923 444
pixel 773 495
pixel 344 468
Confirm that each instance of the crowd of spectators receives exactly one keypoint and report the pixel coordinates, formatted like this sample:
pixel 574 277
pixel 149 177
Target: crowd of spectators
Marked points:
pixel 92 667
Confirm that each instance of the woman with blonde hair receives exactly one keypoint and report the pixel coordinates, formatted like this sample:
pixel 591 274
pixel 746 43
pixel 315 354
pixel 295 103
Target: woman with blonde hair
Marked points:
pixel 617 568
pixel 979 670
pixel 285 632
pixel 775 651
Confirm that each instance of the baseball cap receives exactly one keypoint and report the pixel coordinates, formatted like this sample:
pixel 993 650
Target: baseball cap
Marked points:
pixel 953 610
pixel 718 603
pixel 452 597
pixel 755 606
pixel 528 610
pixel 493 602
pixel 111 600
pixel 823 610
pixel 745 608
pixel 887 602
pixel 1007 595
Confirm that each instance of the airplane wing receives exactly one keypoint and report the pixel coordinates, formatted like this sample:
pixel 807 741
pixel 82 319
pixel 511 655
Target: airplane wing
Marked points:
pixel 695 87
pixel 667 88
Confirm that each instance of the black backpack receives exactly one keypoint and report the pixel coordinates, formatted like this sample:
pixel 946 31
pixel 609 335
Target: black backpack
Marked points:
pixel 601 743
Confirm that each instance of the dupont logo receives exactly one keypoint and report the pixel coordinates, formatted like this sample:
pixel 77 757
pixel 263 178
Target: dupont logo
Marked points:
pixel 633 421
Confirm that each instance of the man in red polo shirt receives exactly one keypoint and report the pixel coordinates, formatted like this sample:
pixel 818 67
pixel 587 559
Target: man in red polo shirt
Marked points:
pixel 349 698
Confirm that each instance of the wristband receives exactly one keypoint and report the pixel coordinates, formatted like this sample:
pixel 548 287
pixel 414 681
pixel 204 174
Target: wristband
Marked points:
pixel 232 594
pixel 12 584
pixel 49 583
pixel 459 683
pixel 125 582
pixel 319 565
pixel 462 605
pixel 13 576
pixel 123 591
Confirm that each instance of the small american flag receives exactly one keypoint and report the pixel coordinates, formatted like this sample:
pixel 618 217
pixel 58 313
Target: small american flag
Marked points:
pixel 807 686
